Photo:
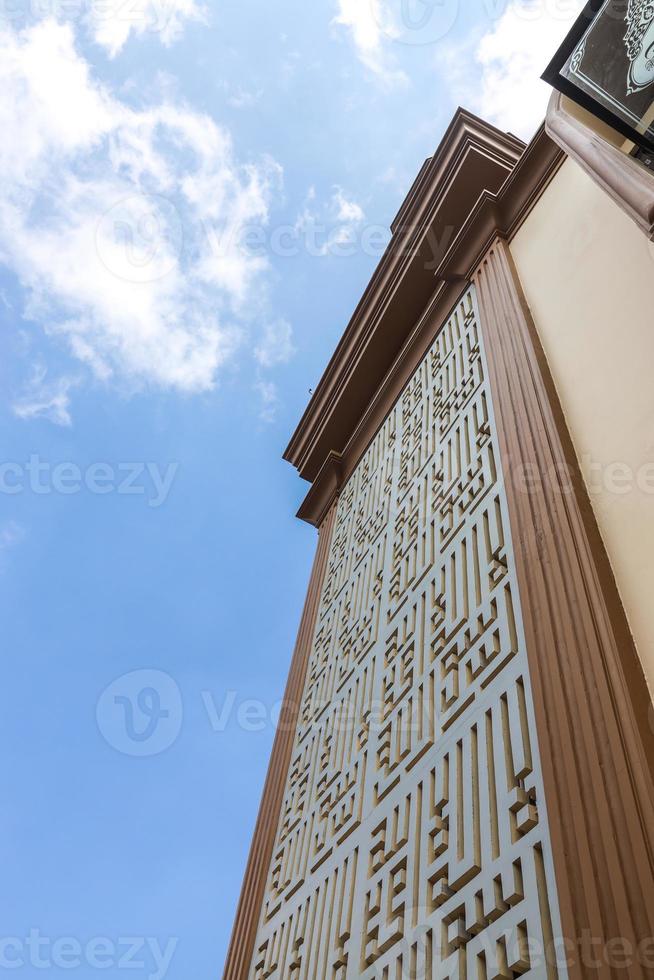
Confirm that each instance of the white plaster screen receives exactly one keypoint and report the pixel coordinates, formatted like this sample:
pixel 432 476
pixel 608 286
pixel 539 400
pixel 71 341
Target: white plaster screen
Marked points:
pixel 413 838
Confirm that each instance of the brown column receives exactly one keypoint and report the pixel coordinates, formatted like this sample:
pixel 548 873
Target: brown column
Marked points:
pixel 590 693
pixel 239 955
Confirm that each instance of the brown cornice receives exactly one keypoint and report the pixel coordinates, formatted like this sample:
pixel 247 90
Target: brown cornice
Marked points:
pixel 324 490
pixel 393 325
pixel 472 157
pixel 502 214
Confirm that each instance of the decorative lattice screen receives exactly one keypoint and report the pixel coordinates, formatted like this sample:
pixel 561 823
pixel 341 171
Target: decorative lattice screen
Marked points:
pixel 413 837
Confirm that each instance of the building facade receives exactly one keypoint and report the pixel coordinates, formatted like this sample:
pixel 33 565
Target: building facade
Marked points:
pixel 462 780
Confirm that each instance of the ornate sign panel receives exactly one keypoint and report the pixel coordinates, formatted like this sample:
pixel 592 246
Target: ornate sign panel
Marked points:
pixel 606 64
pixel 413 839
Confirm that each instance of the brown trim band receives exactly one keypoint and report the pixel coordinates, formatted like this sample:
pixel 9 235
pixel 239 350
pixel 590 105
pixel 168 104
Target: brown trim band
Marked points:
pixel 589 689
pixel 625 180
pixel 241 948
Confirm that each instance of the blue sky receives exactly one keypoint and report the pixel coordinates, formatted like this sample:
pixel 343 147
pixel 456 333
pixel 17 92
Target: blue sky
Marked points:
pixel 192 198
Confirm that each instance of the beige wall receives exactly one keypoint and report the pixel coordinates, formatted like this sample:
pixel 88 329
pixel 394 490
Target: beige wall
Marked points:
pixel 588 275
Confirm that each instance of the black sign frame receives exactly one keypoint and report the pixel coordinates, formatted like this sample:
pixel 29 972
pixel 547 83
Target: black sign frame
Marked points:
pixel 553 75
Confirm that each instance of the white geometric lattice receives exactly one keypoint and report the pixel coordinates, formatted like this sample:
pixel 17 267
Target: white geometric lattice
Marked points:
pixel 413 837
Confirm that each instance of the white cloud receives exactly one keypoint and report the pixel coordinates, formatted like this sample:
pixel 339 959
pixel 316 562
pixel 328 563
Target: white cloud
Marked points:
pixel 370 28
pixel 348 217
pixel 125 226
pixel 276 346
pixel 46 398
pixel 500 77
pixel 242 98
pixel 348 212
pixel 324 227
pixel 10 534
pixel 112 21
pixel 269 400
